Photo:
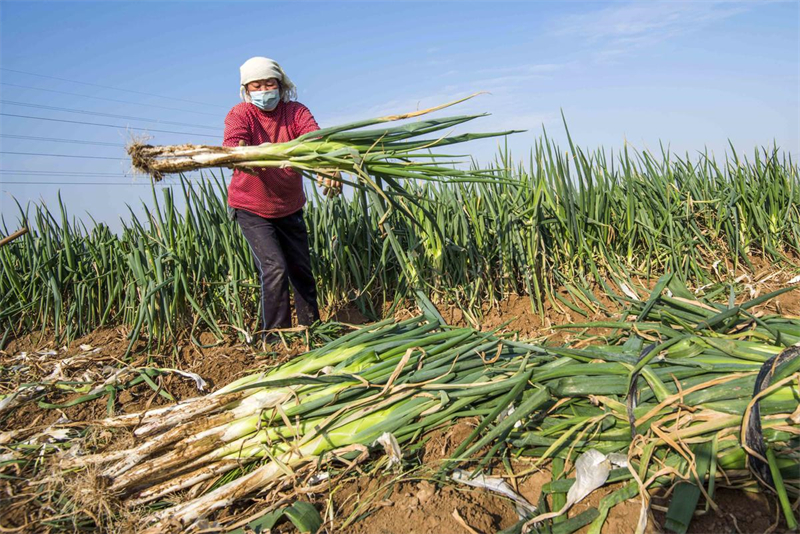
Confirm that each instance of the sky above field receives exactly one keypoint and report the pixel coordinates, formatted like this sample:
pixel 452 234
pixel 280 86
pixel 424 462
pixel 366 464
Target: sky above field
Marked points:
pixel 690 75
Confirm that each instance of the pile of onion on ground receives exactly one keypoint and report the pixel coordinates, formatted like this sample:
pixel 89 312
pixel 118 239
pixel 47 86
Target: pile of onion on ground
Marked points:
pixel 682 393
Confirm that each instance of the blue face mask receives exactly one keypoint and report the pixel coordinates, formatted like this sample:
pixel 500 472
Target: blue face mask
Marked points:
pixel 266 100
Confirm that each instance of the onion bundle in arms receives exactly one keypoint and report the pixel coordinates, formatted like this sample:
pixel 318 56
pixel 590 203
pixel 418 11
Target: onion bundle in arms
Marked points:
pixel 391 153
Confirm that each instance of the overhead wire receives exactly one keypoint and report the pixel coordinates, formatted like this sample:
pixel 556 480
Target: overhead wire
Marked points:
pixel 78 174
pixel 109 125
pixel 100 114
pixel 109 87
pixel 3 182
pixel 21 172
pixel 56 173
pixel 146 180
pixel 58 155
pixel 60 140
pixel 55 91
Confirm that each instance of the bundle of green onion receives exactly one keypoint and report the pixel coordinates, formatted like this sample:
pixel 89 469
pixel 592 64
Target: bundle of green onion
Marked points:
pixel 389 153
pixel 401 378
pixel 675 409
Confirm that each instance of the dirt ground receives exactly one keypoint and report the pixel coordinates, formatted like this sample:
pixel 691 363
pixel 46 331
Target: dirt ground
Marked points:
pixel 411 505
pixel 415 508
pixel 383 503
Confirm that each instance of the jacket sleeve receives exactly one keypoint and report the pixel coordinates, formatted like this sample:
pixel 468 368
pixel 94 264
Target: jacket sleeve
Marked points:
pixel 304 121
pixel 237 129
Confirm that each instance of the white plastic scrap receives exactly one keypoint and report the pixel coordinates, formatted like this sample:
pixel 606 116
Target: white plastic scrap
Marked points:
pixel 52 435
pixel 795 280
pixel 628 291
pixel 505 413
pixel 497 485
pixel 318 478
pixel 198 380
pixel 591 472
pixel 392 448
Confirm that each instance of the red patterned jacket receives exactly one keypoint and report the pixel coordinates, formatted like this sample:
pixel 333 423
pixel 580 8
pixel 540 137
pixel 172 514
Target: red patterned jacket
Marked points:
pixel 270 193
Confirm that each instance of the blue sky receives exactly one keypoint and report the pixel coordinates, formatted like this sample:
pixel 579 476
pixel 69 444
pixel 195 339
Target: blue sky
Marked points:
pixel 689 74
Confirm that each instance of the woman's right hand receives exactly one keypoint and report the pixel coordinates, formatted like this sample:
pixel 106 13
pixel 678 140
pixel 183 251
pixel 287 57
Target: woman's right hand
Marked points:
pixel 330 183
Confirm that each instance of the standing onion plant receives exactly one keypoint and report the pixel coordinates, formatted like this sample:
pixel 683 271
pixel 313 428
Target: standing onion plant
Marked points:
pixel 579 220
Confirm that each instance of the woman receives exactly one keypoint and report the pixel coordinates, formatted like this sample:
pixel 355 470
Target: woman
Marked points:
pixel 268 203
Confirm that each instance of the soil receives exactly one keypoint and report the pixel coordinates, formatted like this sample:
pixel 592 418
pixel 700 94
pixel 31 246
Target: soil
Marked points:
pixel 345 314
pixel 391 503
pixel 409 507
pixel 417 507
pixel 739 511
pixel 515 314
pixel 394 504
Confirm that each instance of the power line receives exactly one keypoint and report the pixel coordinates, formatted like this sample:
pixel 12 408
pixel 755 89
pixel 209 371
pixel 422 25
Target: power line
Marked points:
pixel 59 140
pixel 108 125
pixel 67 173
pixel 58 155
pixel 99 114
pixel 109 99
pixel 109 87
pixel 2 183
pixel 58 173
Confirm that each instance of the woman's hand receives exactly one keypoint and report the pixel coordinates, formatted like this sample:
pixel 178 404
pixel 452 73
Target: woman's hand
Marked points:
pixel 330 183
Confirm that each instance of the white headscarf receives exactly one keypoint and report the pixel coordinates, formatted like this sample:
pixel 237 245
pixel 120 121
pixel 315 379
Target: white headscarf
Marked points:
pixel 262 68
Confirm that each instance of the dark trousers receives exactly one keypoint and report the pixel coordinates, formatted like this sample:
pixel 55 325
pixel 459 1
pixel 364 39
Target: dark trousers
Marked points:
pixel 281 254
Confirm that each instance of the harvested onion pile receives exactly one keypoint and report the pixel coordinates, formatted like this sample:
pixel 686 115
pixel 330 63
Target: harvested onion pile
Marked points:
pixel 669 390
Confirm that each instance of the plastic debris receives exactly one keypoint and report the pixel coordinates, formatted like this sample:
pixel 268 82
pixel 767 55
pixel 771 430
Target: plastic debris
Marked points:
pixel 318 478
pixel 628 291
pixel 591 472
pixel 198 380
pixel 392 448
pixel 505 413
pixel 497 485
